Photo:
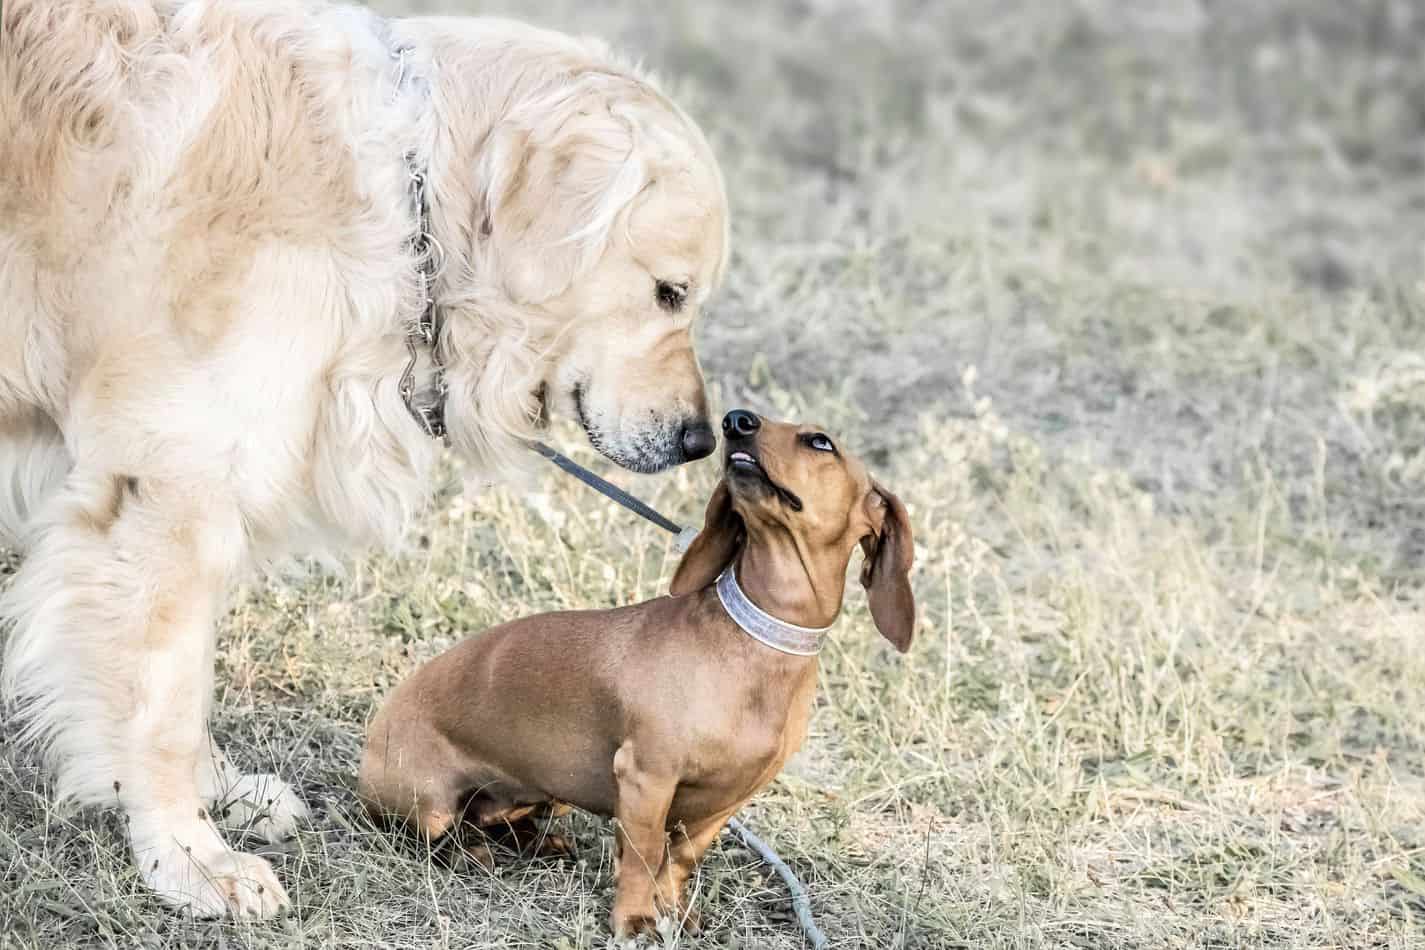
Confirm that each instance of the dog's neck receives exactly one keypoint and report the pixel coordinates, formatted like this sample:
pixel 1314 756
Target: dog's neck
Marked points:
pixel 422 383
pixel 783 595
pixel 762 626
pixel 471 91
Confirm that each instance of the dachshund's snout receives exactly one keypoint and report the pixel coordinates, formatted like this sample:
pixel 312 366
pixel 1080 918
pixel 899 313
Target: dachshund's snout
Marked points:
pixel 739 424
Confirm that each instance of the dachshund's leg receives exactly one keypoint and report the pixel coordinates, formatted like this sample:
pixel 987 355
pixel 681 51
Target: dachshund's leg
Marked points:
pixel 407 778
pixel 641 835
pixel 529 836
pixel 688 844
pixel 520 827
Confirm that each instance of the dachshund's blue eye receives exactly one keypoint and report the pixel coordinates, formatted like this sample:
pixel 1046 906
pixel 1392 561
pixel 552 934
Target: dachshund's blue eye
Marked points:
pixel 821 443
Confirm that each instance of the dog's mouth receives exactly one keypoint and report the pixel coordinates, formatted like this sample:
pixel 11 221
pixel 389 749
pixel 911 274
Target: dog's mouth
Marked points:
pixel 647 452
pixel 743 465
pixel 745 462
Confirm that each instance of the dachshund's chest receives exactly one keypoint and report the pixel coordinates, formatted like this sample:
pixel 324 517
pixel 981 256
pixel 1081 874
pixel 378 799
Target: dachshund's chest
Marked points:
pixel 725 766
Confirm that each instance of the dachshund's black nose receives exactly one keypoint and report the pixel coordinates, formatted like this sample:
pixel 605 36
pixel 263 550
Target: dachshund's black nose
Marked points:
pixel 739 424
pixel 698 441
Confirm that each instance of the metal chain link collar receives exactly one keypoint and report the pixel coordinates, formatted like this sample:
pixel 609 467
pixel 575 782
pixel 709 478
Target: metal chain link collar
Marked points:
pixel 426 330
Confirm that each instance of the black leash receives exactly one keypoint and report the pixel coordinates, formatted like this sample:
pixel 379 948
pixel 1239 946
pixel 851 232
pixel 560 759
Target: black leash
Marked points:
pixel 684 536
pixel 801 902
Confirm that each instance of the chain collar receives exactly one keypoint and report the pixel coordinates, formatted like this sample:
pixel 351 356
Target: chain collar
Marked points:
pixel 429 256
pixel 762 626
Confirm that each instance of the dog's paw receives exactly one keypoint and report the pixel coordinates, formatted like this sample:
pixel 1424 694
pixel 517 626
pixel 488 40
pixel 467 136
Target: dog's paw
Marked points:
pixel 216 884
pixel 552 845
pixel 263 805
pixel 627 924
pixel 691 921
pixel 469 854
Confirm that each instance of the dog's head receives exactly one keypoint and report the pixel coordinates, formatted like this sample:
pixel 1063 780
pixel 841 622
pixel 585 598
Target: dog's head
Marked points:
pixel 625 365
pixel 599 230
pixel 795 483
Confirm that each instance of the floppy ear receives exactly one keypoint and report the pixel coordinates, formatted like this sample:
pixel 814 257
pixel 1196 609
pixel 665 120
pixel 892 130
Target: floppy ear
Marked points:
pixel 886 571
pixel 556 174
pixel 713 549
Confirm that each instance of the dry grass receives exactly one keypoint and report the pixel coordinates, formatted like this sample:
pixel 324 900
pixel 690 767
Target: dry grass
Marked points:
pixel 1125 301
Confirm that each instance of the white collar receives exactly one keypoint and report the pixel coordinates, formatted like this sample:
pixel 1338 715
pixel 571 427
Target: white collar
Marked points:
pixel 762 626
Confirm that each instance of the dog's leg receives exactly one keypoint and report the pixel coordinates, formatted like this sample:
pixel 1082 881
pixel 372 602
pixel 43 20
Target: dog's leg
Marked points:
pixel 262 803
pixel 527 836
pixel 110 661
pixel 687 847
pixel 641 812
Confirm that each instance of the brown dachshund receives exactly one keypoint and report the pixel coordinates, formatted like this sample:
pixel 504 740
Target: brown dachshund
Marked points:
pixel 668 715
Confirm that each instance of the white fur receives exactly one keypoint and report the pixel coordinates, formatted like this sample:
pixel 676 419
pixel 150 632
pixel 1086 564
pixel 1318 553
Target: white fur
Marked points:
pixel 32 464
pixel 262 804
pixel 205 290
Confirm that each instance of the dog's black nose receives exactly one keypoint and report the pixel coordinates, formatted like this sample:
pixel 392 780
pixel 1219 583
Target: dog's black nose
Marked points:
pixel 739 424
pixel 698 441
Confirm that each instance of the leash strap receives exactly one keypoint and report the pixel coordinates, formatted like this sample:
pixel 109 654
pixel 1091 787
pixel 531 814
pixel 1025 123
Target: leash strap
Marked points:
pixel 801 901
pixel 683 536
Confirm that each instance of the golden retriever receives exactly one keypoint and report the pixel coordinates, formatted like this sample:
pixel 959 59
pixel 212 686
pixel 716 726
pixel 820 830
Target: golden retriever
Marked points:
pixel 212 278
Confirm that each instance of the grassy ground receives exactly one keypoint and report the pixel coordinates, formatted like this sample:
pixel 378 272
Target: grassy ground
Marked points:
pixel 1125 300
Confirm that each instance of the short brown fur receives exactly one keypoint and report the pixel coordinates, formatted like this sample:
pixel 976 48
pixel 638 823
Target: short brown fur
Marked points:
pixel 664 715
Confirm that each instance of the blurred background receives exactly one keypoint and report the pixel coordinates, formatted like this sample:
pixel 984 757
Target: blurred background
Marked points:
pixel 1125 300
pixel 1181 236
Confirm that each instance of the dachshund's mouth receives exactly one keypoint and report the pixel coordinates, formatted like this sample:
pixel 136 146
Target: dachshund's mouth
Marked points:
pixel 742 464
pixel 746 463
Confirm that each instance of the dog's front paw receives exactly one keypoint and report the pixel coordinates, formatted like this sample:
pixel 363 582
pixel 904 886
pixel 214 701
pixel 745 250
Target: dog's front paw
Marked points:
pixel 263 805
pixel 690 920
pixel 554 845
pixel 213 884
pixel 630 923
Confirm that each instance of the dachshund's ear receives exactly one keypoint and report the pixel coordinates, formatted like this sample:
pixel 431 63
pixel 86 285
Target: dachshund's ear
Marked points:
pixel 714 547
pixel 885 573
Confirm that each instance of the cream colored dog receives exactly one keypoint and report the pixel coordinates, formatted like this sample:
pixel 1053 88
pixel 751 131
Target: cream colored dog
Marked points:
pixel 210 287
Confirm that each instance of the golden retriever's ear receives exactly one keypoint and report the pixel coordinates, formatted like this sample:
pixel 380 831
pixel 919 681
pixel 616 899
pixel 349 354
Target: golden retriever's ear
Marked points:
pixel 554 181
pixel 890 552
pixel 713 549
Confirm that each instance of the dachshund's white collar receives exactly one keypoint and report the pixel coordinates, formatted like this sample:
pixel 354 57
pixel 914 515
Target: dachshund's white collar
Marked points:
pixel 762 626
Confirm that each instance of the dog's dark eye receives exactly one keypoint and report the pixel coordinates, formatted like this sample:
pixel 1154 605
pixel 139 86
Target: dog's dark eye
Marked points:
pixel 671 295
pixel 821 443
